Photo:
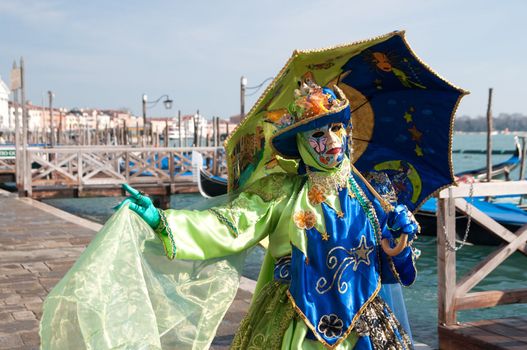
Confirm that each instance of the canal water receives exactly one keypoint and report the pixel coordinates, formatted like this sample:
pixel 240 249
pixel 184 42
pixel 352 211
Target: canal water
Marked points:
pixel 421 298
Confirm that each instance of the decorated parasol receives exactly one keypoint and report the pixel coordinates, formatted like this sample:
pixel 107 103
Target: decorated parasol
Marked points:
pixel 402 114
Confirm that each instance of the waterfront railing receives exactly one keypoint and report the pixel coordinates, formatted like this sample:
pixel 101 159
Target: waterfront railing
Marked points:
pixel 454 294
pixel 110 166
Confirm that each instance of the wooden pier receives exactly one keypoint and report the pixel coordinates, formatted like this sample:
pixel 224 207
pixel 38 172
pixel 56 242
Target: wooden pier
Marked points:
pixel 454 294
pixel 100 170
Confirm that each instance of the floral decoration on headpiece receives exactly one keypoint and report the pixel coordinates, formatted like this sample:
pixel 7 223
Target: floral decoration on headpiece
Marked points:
pixel 311 100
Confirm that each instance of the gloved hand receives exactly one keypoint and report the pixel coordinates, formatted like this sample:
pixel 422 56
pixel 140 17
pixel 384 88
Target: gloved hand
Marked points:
pixel 401 220
pixel 142 205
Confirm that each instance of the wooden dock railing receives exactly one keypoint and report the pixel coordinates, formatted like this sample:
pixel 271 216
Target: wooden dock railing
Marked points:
pixel 454 293
pixel 106 166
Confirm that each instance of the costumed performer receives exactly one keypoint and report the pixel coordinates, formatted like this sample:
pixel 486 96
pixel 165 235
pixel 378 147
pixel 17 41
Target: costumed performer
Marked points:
pixel 334 247
pixel 325 229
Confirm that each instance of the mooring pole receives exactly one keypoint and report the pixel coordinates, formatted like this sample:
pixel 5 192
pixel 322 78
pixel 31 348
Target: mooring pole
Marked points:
pixel 489 137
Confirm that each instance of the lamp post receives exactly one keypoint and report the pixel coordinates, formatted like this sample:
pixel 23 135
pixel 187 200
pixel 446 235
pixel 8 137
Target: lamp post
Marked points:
pixel 167 102
pixel 243 88
pixel 59 129
pixel 243 85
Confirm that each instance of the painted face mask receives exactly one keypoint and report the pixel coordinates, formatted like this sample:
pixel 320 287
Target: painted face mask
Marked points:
pixel 327 144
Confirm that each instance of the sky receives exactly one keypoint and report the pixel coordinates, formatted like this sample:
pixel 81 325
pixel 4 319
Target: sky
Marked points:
pixel 106 54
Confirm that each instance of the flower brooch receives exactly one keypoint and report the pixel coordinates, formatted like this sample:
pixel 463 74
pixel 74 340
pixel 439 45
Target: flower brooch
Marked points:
pixel 316 195
pixel 305 219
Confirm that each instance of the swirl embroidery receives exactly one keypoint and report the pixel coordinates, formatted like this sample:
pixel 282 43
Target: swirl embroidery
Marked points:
pixel 355 256
pixel 282 269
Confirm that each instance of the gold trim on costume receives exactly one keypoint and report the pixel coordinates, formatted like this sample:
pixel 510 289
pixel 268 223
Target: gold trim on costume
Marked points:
pixel 350 328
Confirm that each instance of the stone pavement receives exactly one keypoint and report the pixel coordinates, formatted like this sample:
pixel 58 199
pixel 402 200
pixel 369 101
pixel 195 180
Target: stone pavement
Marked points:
pixel 36 250
pixel 38 244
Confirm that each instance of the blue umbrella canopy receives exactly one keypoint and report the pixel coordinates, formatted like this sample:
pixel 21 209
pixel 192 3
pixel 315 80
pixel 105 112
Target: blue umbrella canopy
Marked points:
pixel 404 117
pixel 402 114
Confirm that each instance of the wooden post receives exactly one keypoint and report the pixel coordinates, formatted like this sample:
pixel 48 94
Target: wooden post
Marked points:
pixel 522 156
pixel 28 175
pixel 59 129
pixel 186 134
pixel 166 133
pixel 179 126
pixel 51 124
pixel 79 170
pixel 25 120
pixel 446 272
pixel 195 143
pixel 96 130
pixel 489 137
pixel 171 166
pixel 218 141
pixel 214 132
pixel 125 130
pixel 137 132
pixel 127 166
pixel 18 148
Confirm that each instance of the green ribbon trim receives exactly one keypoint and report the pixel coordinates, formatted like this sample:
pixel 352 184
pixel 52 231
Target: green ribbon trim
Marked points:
pixel 164 233
pixel 224 220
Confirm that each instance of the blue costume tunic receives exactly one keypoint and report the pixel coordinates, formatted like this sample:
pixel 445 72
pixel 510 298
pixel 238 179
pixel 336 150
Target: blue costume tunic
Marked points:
pixel 343 269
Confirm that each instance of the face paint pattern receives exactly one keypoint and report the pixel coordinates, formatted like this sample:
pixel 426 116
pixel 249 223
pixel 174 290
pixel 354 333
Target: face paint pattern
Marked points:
pixel 327 144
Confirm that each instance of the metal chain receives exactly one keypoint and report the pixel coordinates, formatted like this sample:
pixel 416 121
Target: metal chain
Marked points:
pixel 468 210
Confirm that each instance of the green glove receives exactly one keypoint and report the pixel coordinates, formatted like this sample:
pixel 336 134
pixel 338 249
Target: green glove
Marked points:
pixel 142 205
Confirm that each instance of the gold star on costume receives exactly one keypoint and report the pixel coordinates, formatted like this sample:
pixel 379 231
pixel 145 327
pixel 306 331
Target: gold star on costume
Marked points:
pixel 408 117
pixel 361 253
pixel 418 151
pixel 416 134
pixel 325 236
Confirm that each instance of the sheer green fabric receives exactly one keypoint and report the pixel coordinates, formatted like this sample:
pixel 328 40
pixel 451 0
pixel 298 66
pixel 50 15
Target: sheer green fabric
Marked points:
pixel 123 293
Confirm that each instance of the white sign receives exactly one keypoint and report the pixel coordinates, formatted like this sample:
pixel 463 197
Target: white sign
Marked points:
pixel 7 153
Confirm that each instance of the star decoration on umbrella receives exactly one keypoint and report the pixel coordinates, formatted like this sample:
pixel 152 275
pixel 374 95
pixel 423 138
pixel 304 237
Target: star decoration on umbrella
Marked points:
pixel 416 134
pixel 418 151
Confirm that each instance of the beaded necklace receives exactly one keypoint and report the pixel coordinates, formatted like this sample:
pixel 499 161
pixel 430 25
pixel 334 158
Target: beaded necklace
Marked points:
pixel 366 205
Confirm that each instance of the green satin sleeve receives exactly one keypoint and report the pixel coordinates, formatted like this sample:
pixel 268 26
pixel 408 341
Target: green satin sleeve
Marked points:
pixel 230 228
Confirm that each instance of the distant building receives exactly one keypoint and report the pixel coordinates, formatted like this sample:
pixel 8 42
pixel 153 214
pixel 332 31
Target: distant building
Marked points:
pixel 190 123
pixel 5 121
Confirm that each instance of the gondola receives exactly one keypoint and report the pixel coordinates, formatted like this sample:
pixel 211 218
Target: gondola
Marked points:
pixel 500 170
pixel 508 215
pixel 210 185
